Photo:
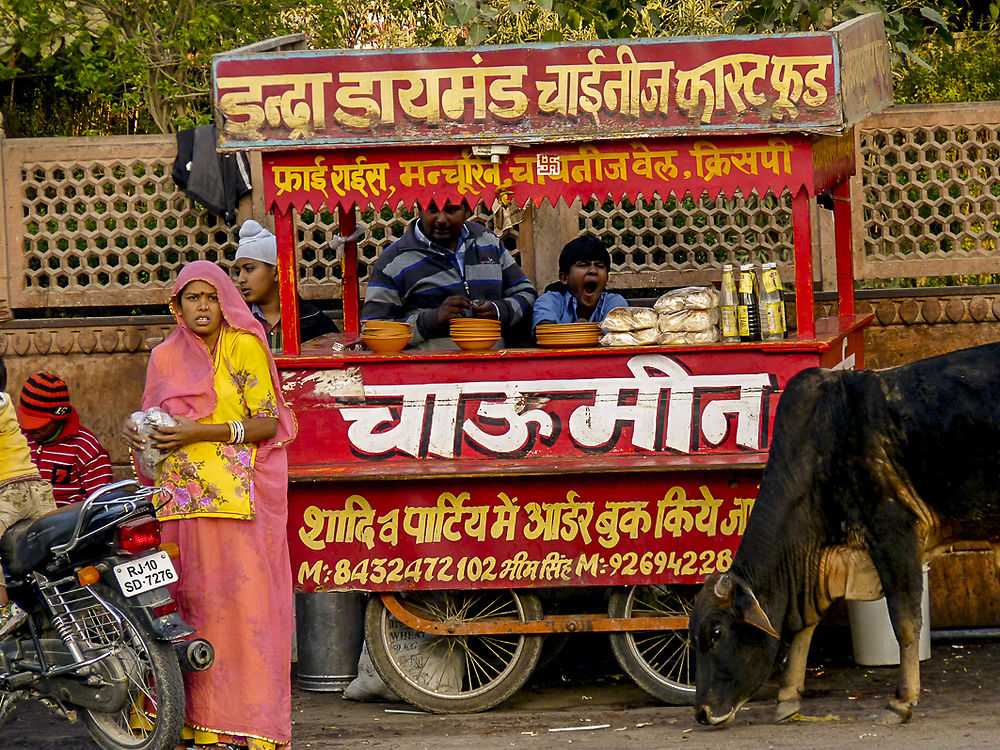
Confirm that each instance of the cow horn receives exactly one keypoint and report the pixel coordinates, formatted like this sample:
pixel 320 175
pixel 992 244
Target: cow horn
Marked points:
pixel 754 615
pixel 723 589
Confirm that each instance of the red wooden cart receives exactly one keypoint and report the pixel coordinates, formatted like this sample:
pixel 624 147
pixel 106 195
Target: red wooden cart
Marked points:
pixel 458 486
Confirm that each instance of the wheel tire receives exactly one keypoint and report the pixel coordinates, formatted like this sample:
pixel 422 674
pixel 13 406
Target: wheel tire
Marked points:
pixel 661 662
pixel 468 673
pixel 154 673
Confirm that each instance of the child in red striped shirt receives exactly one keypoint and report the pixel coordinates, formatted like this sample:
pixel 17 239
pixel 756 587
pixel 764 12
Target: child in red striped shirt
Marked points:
pixel 67 455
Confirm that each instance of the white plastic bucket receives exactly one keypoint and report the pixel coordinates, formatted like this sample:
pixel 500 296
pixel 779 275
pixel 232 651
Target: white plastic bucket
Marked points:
pixel 871 631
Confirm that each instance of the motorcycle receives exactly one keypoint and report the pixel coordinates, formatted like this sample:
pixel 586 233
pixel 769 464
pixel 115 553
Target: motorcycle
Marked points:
pixel 103 636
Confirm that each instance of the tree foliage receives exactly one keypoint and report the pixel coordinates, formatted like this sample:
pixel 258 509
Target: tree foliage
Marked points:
pixel 908 22
pixel 146 53
pixel 968 71
pixel 99 66
pixel 155 55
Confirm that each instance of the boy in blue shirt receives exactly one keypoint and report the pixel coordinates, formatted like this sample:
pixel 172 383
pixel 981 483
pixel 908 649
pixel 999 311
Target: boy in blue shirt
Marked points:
pixel 580 295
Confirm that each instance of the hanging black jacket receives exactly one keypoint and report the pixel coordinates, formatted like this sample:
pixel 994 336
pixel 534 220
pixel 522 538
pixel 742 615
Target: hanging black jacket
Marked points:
pixel 217 181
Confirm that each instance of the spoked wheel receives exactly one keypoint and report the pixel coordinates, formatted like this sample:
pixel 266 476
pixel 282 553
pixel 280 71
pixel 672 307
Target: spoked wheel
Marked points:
pixel 460 673
pixel 153 715
pixel 661 662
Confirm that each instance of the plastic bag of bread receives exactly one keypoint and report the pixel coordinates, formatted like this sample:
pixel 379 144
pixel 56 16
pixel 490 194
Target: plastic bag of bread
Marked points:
pixel 689 320
pixel 624 319
pixel 688 298
pixel 644 337
pixel 674 338
pixel 150 457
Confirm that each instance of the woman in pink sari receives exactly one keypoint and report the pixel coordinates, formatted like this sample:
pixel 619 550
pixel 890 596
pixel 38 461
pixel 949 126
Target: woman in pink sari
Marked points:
pixel 228 473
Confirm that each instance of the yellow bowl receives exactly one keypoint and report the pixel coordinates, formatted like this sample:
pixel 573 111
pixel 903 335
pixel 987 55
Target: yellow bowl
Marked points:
pixel 476 344
pixel 387 326
pixel 387 334
pixel 386 344
pixel 476 334
pixel 567 328
pixel 477 326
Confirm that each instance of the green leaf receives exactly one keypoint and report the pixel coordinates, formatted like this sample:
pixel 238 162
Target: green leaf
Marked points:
pixel 465 12
pixel 478 33
pixel 933 16
pixel 909 55
pixel 545 4
pixel 941 25
pixel 517 6
pixel 552 35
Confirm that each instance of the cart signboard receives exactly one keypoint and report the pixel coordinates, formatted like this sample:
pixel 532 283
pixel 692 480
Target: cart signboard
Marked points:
pixel 371 176
pixel 546 93
pixel 519 532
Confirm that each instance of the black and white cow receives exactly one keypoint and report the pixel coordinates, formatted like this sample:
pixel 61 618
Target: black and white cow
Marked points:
pixel 869 474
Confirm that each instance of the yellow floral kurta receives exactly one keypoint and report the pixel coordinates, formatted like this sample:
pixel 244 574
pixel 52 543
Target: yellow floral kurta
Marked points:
pixel 216 479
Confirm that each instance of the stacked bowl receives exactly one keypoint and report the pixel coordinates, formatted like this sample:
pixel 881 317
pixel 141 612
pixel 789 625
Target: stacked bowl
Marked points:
pixel 475 333
pixel 386 336
pixel 564 335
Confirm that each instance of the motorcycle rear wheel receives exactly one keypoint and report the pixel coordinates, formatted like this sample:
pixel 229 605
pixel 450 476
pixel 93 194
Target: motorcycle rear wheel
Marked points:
pixel 153 715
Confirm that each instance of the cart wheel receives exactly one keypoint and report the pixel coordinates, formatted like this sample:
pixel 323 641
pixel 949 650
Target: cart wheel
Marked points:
pixel 660 661
pixel 454 674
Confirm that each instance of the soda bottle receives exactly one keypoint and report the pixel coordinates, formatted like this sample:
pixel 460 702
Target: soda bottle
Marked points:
pixel 727 306
pixel 748 304
pixel 772 308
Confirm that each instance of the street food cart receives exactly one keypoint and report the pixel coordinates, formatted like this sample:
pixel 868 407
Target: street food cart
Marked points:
pixel 459 487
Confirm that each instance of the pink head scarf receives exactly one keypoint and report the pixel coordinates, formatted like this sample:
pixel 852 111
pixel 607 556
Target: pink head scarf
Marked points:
pixel 179 378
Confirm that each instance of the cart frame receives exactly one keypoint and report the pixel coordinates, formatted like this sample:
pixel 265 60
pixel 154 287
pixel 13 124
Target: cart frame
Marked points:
pixel 402 461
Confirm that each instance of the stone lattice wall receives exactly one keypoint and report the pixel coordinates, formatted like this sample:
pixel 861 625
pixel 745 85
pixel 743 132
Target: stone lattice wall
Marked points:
pixel 97 222
pixel 930 192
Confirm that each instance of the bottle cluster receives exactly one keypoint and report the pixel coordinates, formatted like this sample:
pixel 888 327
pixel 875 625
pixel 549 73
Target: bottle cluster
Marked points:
pixel 751 306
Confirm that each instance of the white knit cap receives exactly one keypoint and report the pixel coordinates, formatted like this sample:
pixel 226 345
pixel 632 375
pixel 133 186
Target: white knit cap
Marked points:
pixel 257 243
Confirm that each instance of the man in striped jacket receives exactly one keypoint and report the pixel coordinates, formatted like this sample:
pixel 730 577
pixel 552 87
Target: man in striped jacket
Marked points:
pixel 446 267
pixel 67 455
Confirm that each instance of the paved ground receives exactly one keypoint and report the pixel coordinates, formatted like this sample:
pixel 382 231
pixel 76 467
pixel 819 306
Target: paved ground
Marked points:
pixel 582 690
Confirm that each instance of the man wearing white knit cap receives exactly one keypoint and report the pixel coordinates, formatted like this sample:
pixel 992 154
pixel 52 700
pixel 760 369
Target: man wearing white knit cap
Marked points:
pixel 257 279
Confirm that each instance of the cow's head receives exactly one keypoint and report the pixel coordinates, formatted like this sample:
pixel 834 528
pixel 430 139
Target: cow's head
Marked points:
pixel 735 647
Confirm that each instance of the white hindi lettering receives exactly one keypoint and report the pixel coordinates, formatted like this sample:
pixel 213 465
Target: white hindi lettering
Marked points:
pixel 666 407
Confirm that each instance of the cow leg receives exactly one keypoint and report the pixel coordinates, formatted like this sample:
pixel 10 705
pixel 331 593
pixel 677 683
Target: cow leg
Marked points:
pixel 903 599
pixel 793 677
pixel 906 626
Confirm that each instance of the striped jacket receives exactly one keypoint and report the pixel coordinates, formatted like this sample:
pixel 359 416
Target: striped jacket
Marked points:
pixel 414 276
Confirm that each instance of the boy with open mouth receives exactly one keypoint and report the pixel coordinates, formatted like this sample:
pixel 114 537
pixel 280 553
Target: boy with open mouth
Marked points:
pixel 580 294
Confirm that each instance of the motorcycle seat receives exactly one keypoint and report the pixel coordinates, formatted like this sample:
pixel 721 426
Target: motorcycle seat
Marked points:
pixel 27 543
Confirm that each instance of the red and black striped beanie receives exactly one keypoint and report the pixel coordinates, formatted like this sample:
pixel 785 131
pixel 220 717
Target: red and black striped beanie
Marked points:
pixel 44 397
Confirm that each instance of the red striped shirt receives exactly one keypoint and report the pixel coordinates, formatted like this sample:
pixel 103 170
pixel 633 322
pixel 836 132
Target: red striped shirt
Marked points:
pixel 75 463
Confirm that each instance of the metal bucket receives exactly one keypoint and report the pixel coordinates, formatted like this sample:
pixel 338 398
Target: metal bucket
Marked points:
pixel 329 630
